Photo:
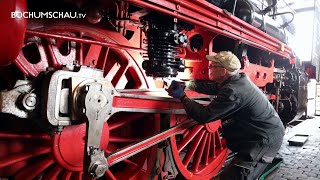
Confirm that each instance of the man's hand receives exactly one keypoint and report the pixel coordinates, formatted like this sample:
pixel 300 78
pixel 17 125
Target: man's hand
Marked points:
pixel 175 90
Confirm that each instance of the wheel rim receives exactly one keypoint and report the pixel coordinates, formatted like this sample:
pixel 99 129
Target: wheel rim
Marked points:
pixel 53 158
pixel 194 156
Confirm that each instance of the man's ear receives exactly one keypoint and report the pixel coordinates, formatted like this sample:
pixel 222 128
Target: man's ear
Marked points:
pixel 224 72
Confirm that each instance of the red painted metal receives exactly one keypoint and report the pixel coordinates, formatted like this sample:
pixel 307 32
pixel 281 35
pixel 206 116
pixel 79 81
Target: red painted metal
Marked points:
pixel 129 151
pixel 82 40
pixel 68 147
pixel 195 61
pixel 66 152
pixel 214 160
pixel 25 136
pixel 258 74
pixel 120 102
pixel 151 101
pixel 196 65
pixel 17 149
pixel 56 58
pixel 205 146
pixel 10 160
pixel 53 173
pixel 217 21
pixel 125 133
pixel 35 170
pixel 12 30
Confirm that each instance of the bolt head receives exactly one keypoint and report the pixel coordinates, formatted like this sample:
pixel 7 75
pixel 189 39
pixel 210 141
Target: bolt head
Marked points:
pixel 30 101
pixel 86 88
pixel 98 170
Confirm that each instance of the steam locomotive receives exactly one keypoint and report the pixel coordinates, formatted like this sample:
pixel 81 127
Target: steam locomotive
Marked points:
pixel 82 92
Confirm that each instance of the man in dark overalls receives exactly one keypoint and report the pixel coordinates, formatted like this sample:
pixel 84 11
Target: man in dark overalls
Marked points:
pixel 251 125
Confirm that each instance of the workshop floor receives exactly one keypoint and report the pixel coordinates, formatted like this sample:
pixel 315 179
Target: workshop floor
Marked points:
pixel 300 163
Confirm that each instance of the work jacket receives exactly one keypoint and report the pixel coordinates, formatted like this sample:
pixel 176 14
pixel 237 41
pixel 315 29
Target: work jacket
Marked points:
pixel 249 117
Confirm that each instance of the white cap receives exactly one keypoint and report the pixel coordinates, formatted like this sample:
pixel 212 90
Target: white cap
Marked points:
pixel 227 59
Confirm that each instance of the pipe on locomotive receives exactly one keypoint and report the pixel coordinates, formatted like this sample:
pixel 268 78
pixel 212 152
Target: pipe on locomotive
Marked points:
pixel 248 11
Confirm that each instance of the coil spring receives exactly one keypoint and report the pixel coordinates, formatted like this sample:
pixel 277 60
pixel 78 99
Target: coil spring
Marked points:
pixel 162 49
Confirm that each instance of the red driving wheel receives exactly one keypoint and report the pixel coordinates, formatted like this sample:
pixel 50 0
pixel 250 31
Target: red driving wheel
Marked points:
pixel 199 152
pixel 28 151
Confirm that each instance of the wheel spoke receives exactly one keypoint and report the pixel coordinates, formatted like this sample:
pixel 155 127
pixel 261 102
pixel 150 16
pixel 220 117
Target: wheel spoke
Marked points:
pixel 120 74
pixel 109 175
pixel 103 58
pixel 14 158
pixel 32 171
pixel 218 139
pixel 79 53
pixel 76 176
pixel 207 149
pixel 92 55
pixel 43 55
pixel 123 120
pixel 185 132
pixel 131 163
pixel 193 147
pixel 53 173
pixel 111 67
pixel 57 59
pixel 25 136
pixel 66 175
pixel 26 67
pixel 213 145
pixel 197 158
pixel 189 137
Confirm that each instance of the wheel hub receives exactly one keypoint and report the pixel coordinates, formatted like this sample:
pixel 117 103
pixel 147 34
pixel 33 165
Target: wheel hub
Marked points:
pixel 212 126
pixel 69 146
pixel 200 152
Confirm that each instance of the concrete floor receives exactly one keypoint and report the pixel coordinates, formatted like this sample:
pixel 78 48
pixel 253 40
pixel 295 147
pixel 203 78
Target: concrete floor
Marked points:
pixel 301 163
